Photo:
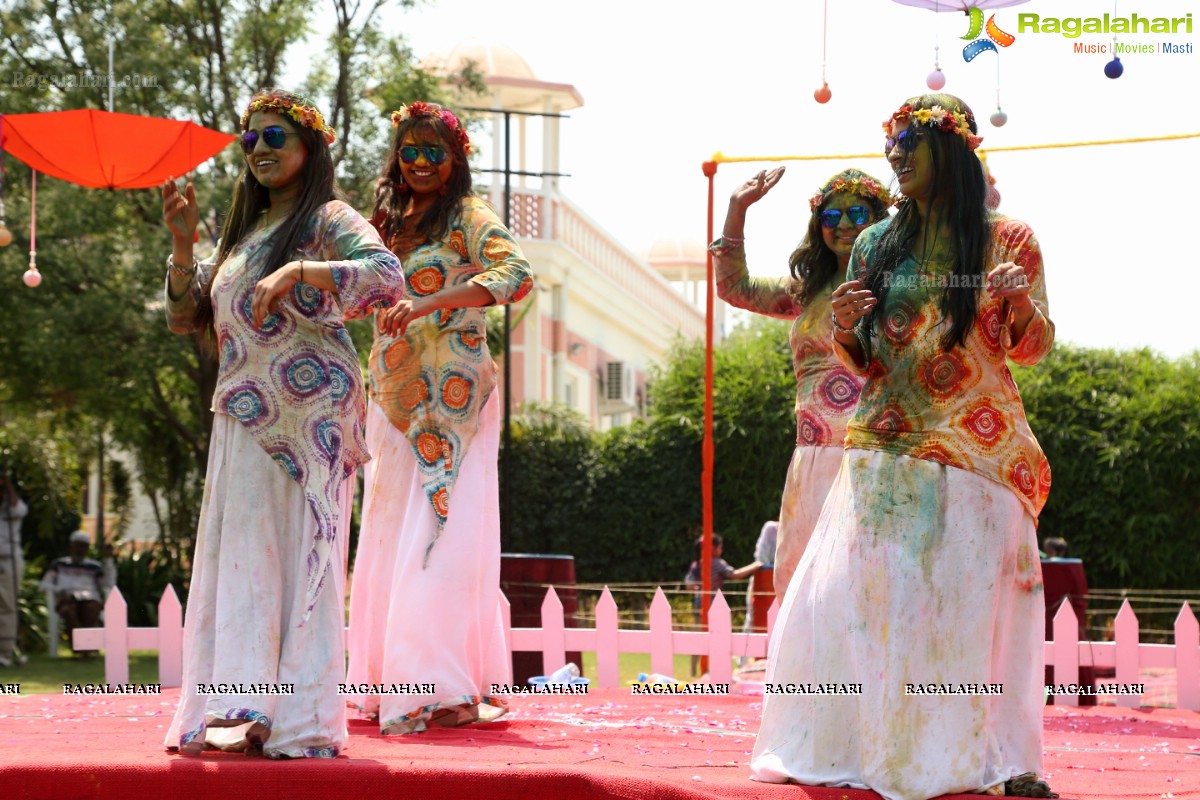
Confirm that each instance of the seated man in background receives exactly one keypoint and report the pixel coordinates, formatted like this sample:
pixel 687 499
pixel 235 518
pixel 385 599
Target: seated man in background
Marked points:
pixel 80 585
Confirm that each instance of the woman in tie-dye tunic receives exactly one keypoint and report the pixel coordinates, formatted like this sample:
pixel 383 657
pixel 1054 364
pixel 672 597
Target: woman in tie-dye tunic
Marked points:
pixel 425 601
pixel 826 392
pixel 920 591
pixel 264 645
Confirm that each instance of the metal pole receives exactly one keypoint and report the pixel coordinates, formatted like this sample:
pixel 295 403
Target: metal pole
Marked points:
pixel 506 463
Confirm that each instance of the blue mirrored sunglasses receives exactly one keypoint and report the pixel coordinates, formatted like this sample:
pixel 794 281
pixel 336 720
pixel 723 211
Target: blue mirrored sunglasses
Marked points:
pixel 433 154
pixel 859 215
pixel 273 135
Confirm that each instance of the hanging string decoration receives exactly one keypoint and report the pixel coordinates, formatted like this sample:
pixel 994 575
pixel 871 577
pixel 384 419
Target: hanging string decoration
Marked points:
pixel 823 94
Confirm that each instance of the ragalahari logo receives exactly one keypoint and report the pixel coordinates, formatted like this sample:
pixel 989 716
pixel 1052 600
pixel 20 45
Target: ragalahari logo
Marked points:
pixel 995 36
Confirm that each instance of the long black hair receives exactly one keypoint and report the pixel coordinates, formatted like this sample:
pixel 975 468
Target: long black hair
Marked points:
pixel 392 196
pixel 251 199
pixel 957 191
pixel 813 265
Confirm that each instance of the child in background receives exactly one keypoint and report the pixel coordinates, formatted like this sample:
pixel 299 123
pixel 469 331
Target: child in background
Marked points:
pixel 721 572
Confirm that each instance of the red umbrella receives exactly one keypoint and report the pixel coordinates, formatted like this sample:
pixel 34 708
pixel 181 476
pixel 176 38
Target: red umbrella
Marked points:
pixel 106 150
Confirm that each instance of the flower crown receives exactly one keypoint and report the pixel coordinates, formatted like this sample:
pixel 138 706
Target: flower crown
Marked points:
pixel 937 118
pixel 433 110
pixel 302 111
pixel 862 185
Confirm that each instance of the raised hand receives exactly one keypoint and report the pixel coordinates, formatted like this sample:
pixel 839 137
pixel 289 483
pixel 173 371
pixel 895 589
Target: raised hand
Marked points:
pixel 181 212
pixel 756 188
pixel 851 302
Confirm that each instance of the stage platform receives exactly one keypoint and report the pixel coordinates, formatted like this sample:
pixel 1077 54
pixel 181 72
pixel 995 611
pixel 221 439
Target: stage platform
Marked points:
pixel 607 744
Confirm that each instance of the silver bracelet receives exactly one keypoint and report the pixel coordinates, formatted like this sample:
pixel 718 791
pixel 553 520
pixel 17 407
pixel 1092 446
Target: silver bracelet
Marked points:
pixel 732 239
pixel 837 326
pixel 183 272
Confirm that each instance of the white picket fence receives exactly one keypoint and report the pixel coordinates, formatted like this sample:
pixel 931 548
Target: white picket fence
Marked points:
pixel 720 643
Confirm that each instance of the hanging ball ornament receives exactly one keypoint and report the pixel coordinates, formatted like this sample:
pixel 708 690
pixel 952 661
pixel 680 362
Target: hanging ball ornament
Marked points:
pixel 1114 68
pixel 999 118
pixel 823 94
pixel 33 278
pixel 935 80
pixel 5 235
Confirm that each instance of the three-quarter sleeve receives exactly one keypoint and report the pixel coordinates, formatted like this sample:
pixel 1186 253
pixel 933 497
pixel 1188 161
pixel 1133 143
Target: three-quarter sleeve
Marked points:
pixel 181 311
pixel 490 246
pixel 1038 337
pixel 367 274
pixel 770 296
pixel 856 268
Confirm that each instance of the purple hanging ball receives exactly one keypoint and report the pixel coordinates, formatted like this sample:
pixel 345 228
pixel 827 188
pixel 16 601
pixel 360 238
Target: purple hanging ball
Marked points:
pixel 823 94
pixel 999 118
pixel 1114 68
pixel 935 80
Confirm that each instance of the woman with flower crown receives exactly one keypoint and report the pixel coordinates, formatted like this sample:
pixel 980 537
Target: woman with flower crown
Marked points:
pixel 826 392
pixel 264 646
pixel 425 600
pixel 918 598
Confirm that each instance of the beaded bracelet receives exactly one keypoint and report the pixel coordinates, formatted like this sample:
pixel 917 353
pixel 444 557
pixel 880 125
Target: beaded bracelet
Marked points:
pixel 837 325
pixel 732 239
pixel 176 269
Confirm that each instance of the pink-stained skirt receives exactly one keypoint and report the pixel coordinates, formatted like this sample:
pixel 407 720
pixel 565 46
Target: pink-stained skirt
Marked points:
pixel 919 576
pixel 435 632
pixel 245 603
pixel 810 474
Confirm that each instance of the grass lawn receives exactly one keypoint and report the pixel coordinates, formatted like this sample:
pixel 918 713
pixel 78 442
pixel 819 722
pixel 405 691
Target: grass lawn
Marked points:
pixel 46 675
pixel 633 663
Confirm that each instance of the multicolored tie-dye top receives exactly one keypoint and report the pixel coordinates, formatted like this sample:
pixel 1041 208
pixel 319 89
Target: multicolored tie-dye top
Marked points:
pixel 296 384
pixel 433 380
pixel 959 407
pixel 826 392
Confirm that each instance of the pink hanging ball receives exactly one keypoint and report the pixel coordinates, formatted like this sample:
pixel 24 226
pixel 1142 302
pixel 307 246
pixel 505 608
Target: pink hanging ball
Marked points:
pixel 999 118
pixel 33 278
pixel 935 80
pixel 823 94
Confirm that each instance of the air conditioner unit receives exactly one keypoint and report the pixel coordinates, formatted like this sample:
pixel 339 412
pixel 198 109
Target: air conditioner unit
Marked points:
pixel 618 384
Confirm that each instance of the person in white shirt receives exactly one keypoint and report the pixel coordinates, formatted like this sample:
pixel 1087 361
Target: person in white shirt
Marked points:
pixel 80 585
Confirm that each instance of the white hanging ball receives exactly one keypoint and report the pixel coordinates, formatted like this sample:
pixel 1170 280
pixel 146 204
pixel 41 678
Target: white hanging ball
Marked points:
pixel 935 80
pixel 999 118
pixel 33 278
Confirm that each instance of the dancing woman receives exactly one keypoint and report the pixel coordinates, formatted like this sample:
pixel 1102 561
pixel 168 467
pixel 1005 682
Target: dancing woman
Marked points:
pixel 826 392
pixel 425 599
pixel 919 595
pixel 263 637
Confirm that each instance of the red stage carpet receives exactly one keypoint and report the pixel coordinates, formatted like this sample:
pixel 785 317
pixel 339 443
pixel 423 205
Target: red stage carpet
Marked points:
pixel 605 745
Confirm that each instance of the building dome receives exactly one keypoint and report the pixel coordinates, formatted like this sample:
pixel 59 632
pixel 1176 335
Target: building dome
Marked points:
pixel 510 81
pixel 675 253
pixel 491 59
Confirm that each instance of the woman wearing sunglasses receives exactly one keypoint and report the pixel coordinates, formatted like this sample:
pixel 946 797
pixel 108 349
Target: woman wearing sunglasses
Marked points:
pixel 920 593
pixel 826 392
pixel 264 640
pixel 425 599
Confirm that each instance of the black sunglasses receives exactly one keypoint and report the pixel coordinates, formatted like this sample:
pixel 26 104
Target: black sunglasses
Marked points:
pixel 273 135
pixel 859 215
pixel 906 139
pixel 434 154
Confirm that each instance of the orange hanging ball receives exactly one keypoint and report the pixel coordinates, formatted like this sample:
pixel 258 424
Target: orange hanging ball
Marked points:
pixel 823 94
pixel 5 235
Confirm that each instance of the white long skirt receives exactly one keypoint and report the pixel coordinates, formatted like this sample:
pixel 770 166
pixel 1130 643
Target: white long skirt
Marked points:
pixel 810 474
pixel 434 634
pixel 245 604
pixel 918 577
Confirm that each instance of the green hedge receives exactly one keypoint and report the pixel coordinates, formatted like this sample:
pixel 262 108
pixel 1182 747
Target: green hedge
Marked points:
pixel 1121 431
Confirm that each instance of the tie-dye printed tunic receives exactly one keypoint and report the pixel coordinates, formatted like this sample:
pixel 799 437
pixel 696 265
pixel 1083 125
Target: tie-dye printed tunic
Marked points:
pixel 826 392
pixel 433 380
pixel 959 407
pixel 296 384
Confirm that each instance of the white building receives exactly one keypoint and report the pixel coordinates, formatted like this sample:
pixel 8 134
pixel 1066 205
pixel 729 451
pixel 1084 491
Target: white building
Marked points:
pixel 601 315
